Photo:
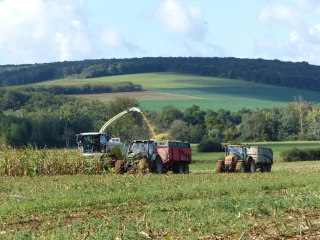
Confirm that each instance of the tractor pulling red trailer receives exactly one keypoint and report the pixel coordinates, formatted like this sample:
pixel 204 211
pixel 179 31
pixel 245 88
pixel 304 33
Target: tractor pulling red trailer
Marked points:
pixel 156 157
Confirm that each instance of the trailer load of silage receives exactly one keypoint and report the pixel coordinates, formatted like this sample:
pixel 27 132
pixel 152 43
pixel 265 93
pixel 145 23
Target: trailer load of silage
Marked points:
pixel 163 137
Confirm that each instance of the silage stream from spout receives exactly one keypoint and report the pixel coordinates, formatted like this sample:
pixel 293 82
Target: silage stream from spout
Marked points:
pixel 155 134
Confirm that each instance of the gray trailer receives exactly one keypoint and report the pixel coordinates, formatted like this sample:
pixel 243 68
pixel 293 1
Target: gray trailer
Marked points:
pixel 263 157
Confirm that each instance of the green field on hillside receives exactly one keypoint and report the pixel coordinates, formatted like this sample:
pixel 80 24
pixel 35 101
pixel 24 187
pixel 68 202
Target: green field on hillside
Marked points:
pixel 183 91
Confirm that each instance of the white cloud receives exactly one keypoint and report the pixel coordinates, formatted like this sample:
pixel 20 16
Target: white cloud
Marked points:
pixel 281 13
pixel 187 22
pixel 52 30
pixel 302 44
pixel 309 5
pixel 314 31
pixel 43 31
pixel 294 36
pixel 111 37
pixel 283 50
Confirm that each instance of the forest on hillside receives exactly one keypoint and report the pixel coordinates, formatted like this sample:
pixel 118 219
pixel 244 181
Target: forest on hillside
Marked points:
pixel 299 75
pixel 47 120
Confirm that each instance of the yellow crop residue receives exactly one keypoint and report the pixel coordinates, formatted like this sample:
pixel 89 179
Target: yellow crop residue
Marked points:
pixel 163 137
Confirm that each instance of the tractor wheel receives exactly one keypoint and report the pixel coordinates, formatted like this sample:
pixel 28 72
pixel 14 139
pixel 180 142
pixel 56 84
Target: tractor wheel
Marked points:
pixel 269 168
pixel 240 167
pixel 220 166
pixel 185 167
pixel 158 165
pixel 119 167
pixel 143 166
pixel 252 166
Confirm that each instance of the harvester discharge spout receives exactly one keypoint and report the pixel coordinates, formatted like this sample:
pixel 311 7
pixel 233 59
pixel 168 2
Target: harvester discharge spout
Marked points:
pixel 132 109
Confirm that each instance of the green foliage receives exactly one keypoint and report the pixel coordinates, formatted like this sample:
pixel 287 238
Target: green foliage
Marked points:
pixel 82 88
pixel 208 145
pixel 168 115
pixel 295 154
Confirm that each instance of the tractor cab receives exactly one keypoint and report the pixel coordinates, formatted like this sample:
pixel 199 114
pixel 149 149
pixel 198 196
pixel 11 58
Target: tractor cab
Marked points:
pixel 144 147
pixel 92 142
pixel 238 150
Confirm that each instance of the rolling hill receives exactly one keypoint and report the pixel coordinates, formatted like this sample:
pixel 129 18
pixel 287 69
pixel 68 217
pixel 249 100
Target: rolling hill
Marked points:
pixel 183 91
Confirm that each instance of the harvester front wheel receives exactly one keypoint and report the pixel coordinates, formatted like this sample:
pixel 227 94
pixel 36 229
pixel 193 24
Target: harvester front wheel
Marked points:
pixel 240 167
pixel 220 166
pixel 119 167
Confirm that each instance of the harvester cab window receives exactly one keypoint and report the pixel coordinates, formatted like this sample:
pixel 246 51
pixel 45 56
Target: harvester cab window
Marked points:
pixel 91 143
pixel 103 140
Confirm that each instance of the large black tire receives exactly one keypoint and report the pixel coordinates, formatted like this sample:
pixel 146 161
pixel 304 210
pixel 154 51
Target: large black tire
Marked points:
pixel 119 167
pixel 185 167
pixel 252 166
pixel 177 168
pixel 240 167
pixel 158 165
pixel 220 166
pixel 269 168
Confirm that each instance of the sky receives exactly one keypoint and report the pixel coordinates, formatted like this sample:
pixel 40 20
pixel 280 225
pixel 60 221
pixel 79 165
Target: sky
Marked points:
pixel 41 31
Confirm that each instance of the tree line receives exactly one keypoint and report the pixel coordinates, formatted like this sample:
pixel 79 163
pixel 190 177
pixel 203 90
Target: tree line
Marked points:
pixel 45 119
pixel 288 74
pixel 84 88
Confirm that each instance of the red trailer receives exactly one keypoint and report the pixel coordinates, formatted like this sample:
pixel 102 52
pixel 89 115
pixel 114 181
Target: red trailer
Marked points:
pixel 176 156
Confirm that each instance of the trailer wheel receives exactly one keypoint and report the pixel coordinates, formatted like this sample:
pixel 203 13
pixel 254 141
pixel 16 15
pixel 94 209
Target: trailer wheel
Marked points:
pixel 252 166
pixel 240 167
pixel 220 166
pixel 177 168
pixel 158 165
pixel 186 168
pixel 119 167
pixel 268 168
pixel 180 168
